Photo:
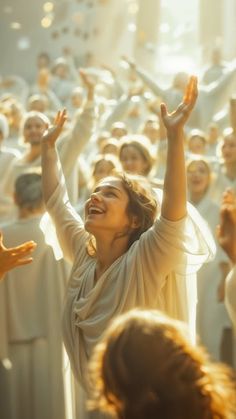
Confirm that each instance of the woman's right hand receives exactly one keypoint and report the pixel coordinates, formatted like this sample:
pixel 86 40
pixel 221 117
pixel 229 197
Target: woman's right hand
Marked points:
pixel 52 133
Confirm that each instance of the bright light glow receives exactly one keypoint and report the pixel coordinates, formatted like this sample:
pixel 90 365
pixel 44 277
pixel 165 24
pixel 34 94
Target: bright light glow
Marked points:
pixel 46 22
pixel 48 7
pixel 164 28
pixel 15 25
pixel 133 8
pixel 132 27
pixel 23 43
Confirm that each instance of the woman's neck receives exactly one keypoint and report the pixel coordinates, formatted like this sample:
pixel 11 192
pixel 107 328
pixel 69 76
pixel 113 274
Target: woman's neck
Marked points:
pixel 33 153
pixel 108 251
pixel 196 197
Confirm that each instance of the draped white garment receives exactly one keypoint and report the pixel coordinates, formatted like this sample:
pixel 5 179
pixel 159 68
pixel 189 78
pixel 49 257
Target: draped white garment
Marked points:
pixel 156 272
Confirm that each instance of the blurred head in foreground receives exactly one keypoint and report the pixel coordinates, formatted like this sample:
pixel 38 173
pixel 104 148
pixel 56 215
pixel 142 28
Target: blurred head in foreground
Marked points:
pixel 146 367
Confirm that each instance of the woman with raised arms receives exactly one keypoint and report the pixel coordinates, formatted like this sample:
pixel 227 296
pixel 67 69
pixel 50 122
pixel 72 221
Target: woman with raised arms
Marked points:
pixel 126 252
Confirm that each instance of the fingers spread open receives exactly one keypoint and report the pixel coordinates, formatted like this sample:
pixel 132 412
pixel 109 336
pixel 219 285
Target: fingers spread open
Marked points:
pixel 23 248
pixel 191 91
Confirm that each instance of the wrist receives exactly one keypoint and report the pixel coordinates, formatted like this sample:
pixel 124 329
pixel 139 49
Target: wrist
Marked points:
pixel 90 94
pixel 46 145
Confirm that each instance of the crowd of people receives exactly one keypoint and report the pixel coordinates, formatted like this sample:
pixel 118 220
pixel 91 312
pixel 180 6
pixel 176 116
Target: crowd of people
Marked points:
pixel 138 182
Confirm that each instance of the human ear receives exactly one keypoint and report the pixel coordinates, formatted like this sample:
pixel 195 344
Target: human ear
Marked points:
pixel 135 222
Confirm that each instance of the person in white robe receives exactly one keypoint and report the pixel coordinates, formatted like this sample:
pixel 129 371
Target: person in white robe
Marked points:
pixel 212 317
pixel 226 233
pixel 225 176
pixel 31 374
pixel 70 146
pixel 7 156
pixel 211 97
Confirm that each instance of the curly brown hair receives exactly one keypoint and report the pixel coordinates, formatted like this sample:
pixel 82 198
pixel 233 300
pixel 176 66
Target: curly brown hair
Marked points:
pixel 146 367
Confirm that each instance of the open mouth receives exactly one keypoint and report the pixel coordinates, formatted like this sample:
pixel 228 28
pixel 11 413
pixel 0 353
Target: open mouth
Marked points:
pixel 95 210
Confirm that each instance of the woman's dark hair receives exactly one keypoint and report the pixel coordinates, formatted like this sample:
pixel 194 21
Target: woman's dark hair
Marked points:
pixel 142 204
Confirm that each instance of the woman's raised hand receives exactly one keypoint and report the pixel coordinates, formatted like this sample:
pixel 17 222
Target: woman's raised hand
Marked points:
pixel 89 81
pixel 175 120
pixel 52 133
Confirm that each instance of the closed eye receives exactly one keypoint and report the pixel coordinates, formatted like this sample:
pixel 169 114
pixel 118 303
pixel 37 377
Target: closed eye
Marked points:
pixel 110 193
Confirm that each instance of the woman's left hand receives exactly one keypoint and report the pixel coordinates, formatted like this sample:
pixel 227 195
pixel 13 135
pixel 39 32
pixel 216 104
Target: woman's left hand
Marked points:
pixel 52 133
pixel 175 120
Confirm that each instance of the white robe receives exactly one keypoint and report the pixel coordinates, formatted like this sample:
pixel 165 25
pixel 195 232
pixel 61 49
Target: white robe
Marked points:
pixel 30 330
pixel 138 278
pixel 69 148
pixel 212 316
pixel 231 296
pixel 7 157
pixel 220 183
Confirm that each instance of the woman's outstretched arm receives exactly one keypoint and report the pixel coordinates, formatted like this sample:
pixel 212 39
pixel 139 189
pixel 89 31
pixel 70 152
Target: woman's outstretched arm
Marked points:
pixel 69 226
pixel 50 159
pixel 174 193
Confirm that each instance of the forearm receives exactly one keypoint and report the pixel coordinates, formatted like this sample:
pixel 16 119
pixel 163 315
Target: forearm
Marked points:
pixel 150 82
pixel 174 191
pixel 50 169
pixel 71 147
pixel 219 86
pixel 117 114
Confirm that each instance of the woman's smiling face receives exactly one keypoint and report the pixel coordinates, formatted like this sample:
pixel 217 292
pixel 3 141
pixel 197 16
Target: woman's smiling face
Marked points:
pixel 132 160
pixel 106 210
pixel 198 177
pixel 34 128
pixel 228 149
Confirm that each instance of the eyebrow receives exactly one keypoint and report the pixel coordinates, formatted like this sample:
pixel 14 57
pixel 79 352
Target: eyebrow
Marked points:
pixel 98 188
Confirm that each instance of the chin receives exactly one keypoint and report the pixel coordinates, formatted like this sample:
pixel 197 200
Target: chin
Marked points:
pixel 89 227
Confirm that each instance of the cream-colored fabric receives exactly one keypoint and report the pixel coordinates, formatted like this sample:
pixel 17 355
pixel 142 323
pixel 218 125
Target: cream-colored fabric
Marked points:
pixel 220 184
pixel 7 157
pixel 231 296
pixel 212 316
pixel 31 299
pixel 136 279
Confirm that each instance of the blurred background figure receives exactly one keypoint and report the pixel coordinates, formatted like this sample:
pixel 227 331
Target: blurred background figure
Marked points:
pixel 32 298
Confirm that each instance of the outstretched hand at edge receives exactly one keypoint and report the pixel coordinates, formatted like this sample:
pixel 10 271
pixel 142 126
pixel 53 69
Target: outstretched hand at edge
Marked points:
pixel 15 256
